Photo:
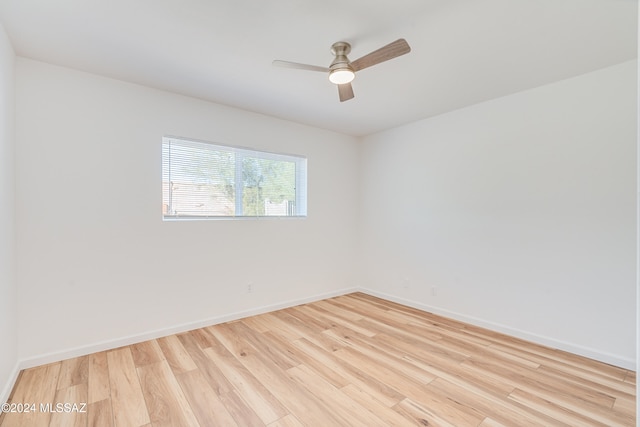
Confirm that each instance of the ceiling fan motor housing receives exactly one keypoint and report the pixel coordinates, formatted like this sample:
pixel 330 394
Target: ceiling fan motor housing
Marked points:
pixel 340 50
pixel 341 70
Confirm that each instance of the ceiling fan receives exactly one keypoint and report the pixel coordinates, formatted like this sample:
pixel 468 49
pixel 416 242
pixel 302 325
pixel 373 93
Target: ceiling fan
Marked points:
pixel 342 71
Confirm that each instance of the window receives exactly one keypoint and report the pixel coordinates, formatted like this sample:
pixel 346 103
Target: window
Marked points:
pixel 202 180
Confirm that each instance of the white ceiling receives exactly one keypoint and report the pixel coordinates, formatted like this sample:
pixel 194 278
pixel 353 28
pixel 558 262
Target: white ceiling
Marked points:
pixel 463 51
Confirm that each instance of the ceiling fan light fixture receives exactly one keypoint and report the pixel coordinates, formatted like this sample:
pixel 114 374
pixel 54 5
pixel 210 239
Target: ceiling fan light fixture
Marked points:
pixel 342 71
pixel 341 76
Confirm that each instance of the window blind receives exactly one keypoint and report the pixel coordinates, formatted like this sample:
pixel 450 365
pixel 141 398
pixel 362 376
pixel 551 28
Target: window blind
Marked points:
pixel 204 180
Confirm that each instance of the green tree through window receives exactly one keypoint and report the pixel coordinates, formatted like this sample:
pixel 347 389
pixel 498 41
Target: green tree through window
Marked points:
pixel 266 181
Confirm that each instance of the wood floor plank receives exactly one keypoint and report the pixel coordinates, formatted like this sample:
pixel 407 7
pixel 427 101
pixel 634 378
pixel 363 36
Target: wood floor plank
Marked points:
pixel 256 394
pixel 73 372
pixel 73 412
pixel 254 323
pixel 403 384
pixel 367 347
pixel 336 309
pixel 127 400
pixel 279 327
pixel 545 386
pixel 449 408
pixel 203 338
pixel 98 378
pixel 421 316
pixel 318 323
pixel 345 321
pixel 349 360
pixel 559 413
pixel 204 401
pixel 347 409
pixel 490 422
pixel 354 375
pixel 630 378
pixel 207 368
pixel 317 338
pixel 441 367
pixel 304 328
pixel 236 337
pixel 244 414
pixel 146 352
pixel 611 388
pixel 625 405
pixel 590 379
pixel 385 413
pixel 435 349
pixel 326 371
pixel 398 322
pixel 305 331
pixel 166 403
pixel 176 355
pixel 100 414
pixel 582 367
pixel 287 421
pixel 261 342
pixel 36 385
pixel 421 415
pixel 496 408
pixel 305 407
pixel 479 386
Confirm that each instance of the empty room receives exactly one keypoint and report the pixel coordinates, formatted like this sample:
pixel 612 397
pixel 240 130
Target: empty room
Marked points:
pixel 342 213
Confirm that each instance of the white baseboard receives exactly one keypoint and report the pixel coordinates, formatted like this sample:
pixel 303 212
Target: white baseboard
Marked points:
pixel 6 391
pixel 612 359
pixel 158 333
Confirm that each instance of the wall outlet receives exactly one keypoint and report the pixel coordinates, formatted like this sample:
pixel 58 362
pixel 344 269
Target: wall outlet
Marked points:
pixel 434 291
pixel 249 287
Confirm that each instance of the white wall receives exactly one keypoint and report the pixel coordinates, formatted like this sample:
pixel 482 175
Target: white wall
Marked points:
pixel 520 211
pixel 8 312
pixel 638 242
pixel 96 263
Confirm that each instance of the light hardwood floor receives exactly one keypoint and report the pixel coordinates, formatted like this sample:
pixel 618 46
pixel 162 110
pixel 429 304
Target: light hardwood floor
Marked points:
pixel 353 360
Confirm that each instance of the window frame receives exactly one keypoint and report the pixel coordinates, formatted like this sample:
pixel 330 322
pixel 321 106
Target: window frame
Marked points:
pixel 239 154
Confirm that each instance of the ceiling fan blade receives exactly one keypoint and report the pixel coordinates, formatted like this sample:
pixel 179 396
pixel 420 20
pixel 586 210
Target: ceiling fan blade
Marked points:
pixel 299 66
pixel 390 51
pixel 345 91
